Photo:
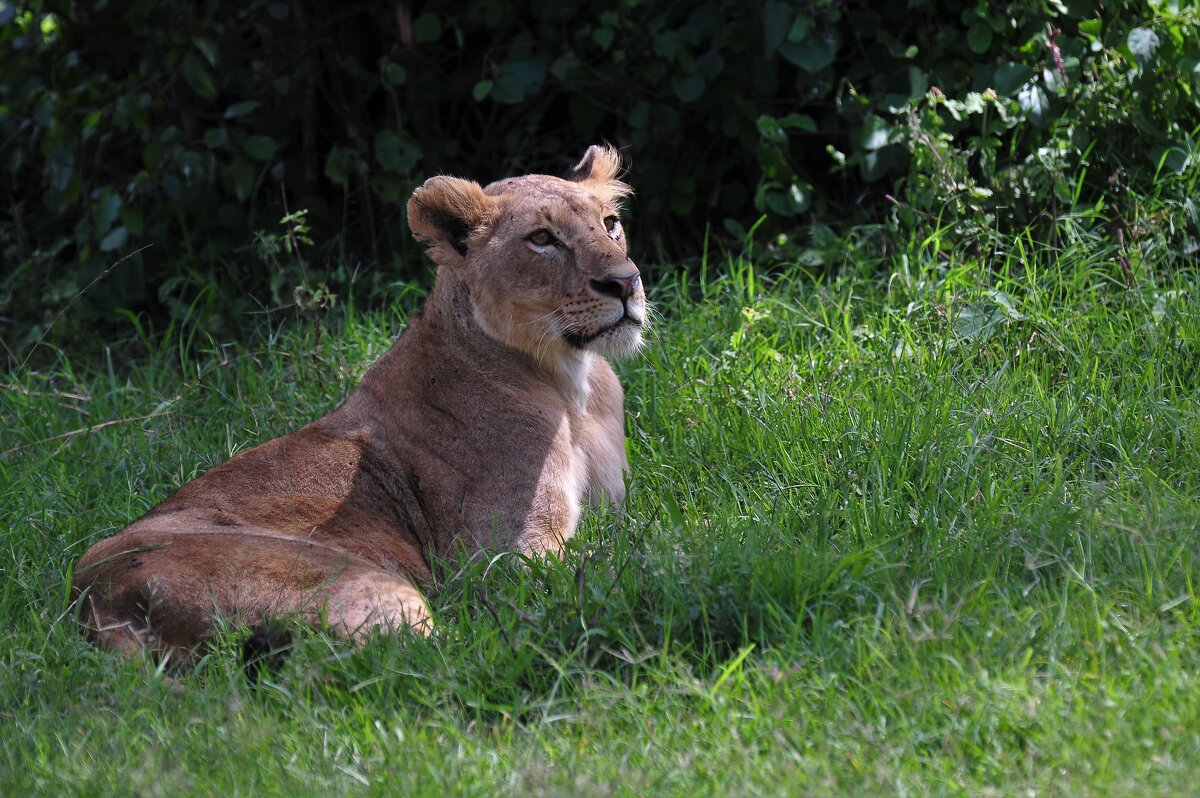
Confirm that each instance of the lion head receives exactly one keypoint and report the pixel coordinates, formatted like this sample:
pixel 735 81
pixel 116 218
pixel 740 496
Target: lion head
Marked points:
pixel 544 259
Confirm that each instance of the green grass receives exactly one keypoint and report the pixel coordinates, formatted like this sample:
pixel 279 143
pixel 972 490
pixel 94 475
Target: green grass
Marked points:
pixel 925 529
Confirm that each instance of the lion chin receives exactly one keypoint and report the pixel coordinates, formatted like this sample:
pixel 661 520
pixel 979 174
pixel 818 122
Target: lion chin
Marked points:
pixel 489 425
pixel 622 337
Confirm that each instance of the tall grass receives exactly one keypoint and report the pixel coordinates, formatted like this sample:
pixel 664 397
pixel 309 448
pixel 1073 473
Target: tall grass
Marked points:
pixel 925 529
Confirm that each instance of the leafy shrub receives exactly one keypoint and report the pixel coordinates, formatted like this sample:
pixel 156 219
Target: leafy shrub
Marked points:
pixel 1095 114
pixel 152 147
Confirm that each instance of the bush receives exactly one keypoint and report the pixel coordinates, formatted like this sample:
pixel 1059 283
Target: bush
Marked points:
pixel 168 158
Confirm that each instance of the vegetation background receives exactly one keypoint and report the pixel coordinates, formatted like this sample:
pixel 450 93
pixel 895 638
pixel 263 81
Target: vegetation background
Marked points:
pixel 916 445
pixel 211 163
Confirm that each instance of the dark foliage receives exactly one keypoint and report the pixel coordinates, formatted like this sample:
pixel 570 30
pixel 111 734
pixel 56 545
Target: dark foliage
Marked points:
pixel 183 161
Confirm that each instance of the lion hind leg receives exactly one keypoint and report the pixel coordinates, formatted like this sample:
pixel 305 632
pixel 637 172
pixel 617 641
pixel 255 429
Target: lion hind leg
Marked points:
pixel 120 622
pixel 123 636
pixel 165 597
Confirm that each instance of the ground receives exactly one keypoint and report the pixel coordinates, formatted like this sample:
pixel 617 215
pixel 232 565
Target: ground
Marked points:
pixel 929 527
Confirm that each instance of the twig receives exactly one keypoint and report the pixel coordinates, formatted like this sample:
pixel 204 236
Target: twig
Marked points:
pixel 75 299
pixel 82 431
pixel 21 389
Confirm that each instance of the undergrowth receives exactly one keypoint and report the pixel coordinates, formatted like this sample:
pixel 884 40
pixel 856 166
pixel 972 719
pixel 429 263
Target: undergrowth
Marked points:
pixel 926 528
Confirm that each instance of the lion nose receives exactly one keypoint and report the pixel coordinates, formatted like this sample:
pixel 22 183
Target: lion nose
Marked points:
pixel 617 287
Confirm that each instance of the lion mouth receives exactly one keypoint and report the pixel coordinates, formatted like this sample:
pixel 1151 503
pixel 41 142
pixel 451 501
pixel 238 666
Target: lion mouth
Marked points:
pixel 579 339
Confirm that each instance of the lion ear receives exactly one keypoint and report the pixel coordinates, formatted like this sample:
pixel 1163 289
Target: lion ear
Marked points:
pixel 598 163
pixel 444 213
pixel 598 170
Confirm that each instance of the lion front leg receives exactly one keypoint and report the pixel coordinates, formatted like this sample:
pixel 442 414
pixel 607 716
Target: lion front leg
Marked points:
pixel 551 520
pixel 377 600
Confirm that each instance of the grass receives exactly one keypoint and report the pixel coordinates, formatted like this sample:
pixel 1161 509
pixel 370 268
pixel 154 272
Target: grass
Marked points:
pixel 924 529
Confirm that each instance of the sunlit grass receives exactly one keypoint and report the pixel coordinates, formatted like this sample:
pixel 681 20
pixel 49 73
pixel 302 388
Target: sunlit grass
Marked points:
pixel 925 530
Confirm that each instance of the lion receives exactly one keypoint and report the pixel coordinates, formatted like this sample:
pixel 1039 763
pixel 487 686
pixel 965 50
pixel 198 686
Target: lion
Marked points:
pixel 493 419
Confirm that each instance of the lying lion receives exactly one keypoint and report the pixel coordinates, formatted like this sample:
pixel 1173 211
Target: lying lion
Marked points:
pixel 486 426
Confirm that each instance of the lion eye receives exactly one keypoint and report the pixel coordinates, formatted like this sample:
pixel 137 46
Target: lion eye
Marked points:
pixel 542 238
pixel 612 224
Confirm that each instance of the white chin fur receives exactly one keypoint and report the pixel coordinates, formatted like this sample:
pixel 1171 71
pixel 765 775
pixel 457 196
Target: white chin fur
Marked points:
pixel 624 340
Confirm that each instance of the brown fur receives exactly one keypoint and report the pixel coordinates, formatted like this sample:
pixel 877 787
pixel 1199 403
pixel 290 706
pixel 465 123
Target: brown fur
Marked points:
pixel 487 425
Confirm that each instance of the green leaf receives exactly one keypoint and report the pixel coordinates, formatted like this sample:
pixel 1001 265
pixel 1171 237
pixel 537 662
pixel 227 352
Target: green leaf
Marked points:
pixel 60 162
pixel 172 187
pixel 603 37
pixel 395 153
pixel 260 148
pixel 133 220
pixel 389 189
pixel 918 82
pixel 241 174
pixel 780 202
pixel 105 210
pixel 814 54
pixel 1090 28
pixel 196 75
pixel 639 116
pixel 1142 42
pixel 1170 159
pixel 667 45
pixel 482 89
pixel 517 79
pixel 799 122
pixel 689 88
pixel 508 89
pixel 977 321
pixel 241 109
pixel 710 64
pixel 801 25
pixel 1010 77
pixel 342 163
pixel 427 28
pixel 874 164
pixel 394 74
pixel 979 37
pixel 207 49
pixel 1052 80
pixel 799 197
pixel 775 26
pixel 1007 303
pixel 770 129
pixel 874 134
pixel 114 240
pixel 1034 103
pixel 683 194
pixel 529 71
pixel 216 137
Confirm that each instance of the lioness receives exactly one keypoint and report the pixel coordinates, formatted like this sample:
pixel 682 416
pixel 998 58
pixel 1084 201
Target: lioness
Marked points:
pixel 488 423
